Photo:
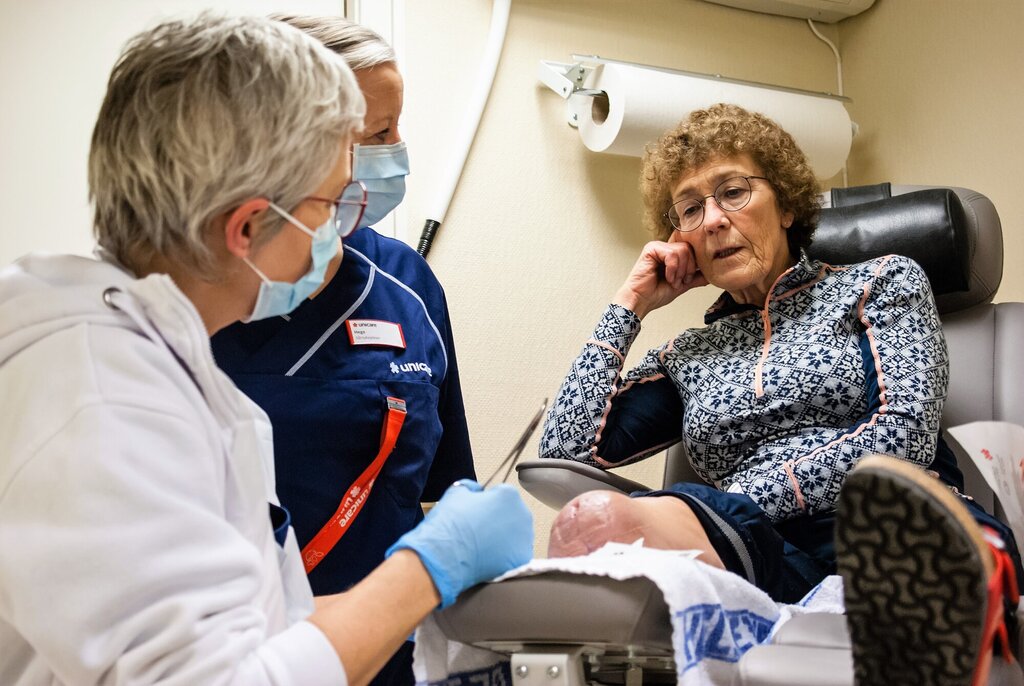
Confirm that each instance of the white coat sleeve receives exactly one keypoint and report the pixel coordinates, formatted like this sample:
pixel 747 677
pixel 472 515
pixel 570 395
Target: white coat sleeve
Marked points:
pixel 120 567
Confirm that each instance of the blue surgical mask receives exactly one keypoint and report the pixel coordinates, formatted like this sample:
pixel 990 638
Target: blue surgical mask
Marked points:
pixel 382 169
pixel 278 298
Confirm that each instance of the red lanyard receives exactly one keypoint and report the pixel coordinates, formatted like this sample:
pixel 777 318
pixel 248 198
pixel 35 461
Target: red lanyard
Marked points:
pixel 356 495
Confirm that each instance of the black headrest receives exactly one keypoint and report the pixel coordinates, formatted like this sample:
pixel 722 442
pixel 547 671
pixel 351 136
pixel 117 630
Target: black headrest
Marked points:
pixel 855 195
pixel 928 226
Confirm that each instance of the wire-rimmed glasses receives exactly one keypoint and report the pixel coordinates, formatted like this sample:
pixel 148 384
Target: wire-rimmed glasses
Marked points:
pixel 347 210
pixel 731 195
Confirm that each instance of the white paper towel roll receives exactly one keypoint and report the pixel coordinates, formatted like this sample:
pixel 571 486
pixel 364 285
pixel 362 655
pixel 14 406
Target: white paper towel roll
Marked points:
pixel 643 103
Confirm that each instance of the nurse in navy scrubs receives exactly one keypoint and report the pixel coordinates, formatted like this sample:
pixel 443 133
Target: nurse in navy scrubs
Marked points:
pixel 360 382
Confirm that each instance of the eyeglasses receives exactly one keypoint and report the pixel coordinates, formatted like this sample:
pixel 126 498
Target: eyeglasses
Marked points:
pixel 731 195
pixel 347 210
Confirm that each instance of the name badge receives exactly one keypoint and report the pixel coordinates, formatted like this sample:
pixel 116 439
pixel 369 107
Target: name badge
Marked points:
pixel 375 332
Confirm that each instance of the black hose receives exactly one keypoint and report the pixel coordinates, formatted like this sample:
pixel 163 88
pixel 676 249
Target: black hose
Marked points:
pixel 427 236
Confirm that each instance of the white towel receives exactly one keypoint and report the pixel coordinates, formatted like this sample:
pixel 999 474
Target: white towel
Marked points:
pixel 716 616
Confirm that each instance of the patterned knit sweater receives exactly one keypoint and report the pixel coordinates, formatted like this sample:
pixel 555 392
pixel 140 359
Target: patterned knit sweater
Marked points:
pixel 777 402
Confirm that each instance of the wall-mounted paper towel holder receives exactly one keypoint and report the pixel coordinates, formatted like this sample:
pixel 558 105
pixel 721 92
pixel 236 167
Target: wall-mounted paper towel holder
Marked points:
pixel 620 106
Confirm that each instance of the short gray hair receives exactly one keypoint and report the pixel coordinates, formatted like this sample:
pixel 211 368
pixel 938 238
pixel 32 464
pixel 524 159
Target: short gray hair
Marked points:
pixel 203 114
pixel 360 47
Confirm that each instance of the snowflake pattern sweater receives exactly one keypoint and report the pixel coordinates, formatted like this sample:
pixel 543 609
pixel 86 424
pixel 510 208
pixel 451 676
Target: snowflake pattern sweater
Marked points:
pixel 777 402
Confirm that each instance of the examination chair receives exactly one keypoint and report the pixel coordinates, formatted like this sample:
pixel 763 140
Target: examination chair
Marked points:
pixel 569 629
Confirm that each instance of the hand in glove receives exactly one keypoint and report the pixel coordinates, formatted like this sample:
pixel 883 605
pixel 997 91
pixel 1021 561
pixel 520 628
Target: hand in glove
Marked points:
pixel 471 535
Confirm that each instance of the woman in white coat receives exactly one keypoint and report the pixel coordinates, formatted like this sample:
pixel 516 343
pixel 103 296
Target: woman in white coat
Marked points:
pixel 142 538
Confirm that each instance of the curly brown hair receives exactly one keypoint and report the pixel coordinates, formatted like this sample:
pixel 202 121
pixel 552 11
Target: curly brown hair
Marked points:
pixel 724 130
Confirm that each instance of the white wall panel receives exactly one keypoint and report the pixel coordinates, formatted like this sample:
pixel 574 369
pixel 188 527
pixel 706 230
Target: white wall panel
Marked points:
pixel 55 57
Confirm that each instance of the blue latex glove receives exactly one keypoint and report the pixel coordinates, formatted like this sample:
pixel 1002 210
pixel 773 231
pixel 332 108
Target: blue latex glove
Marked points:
pixel 471 535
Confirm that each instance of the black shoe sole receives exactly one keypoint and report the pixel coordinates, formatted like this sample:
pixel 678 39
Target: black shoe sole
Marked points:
pixel 915 570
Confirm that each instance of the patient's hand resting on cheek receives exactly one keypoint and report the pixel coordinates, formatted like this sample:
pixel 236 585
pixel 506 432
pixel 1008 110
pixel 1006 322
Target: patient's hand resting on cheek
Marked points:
pixel 663 272
pixel 598 517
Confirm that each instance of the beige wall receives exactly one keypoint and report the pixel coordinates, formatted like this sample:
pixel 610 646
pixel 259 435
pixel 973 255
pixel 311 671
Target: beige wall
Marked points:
pixel 937 91
pixel 55 59
pixel 541 231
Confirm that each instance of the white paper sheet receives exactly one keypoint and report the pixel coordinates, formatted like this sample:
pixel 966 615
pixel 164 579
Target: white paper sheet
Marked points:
pixel 997 448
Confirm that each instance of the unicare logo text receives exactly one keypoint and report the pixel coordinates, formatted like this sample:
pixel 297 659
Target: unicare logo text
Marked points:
pixel 411 367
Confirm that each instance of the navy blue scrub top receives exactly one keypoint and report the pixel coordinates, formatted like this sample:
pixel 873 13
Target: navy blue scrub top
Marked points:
pixel 326 399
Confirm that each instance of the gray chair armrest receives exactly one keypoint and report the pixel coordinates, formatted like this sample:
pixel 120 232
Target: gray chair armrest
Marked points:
pixel 781 665
pixel 563 609
pixel 556 482
pixel 816 630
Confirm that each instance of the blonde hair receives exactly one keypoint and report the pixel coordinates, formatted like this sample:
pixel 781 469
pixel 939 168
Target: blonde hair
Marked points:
pixel 359 46
pixel 723 131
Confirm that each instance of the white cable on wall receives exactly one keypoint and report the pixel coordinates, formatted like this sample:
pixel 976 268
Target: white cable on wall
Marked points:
pixel 467 132
pixel 839 74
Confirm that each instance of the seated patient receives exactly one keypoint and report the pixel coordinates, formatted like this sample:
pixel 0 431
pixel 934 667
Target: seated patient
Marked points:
pixel 801 369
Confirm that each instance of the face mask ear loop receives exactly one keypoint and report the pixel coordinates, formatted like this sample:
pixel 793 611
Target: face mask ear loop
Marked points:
pixel 298 225
pixel 256 269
